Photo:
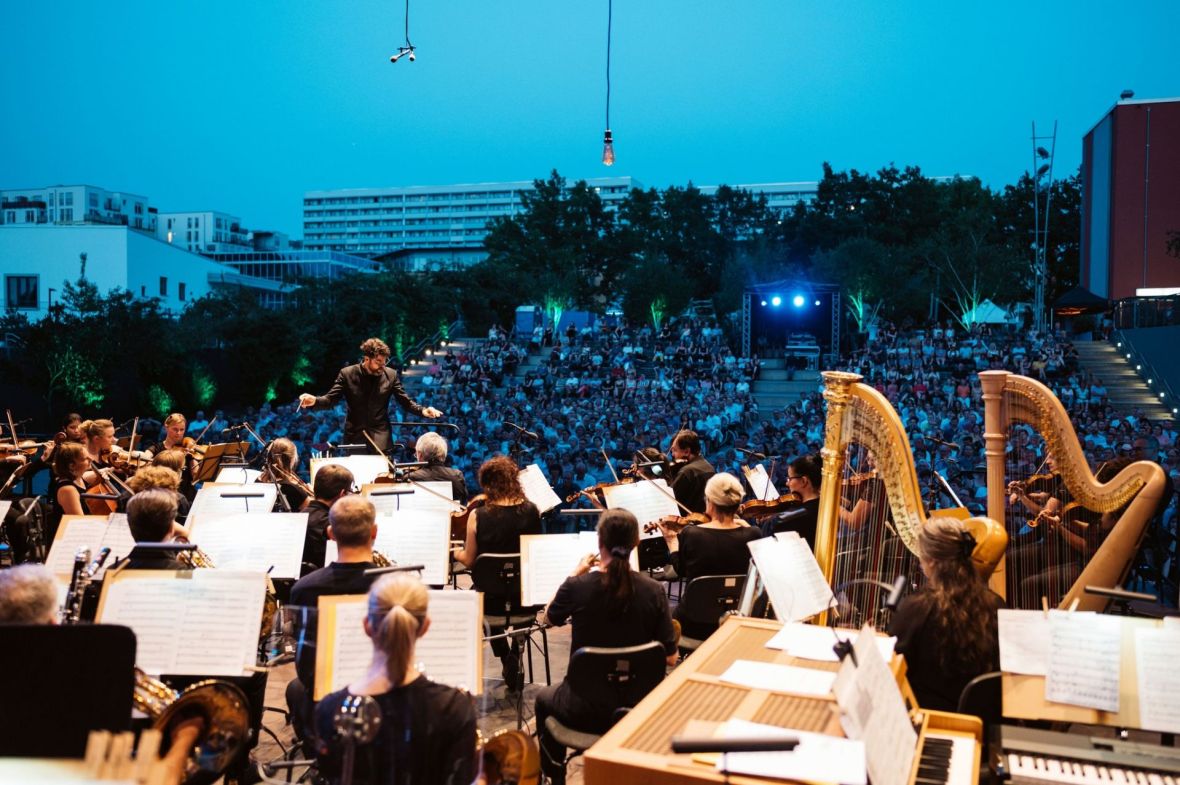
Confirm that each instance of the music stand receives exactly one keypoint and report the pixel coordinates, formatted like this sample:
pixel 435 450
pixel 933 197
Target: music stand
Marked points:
pixel 215 455
pixel 61 682
pixel 124 443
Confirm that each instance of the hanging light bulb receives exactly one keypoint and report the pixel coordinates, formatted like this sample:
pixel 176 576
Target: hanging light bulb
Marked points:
pixel 608 149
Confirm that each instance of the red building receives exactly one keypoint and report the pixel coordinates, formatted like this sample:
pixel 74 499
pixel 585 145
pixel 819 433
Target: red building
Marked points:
pixel 1131 198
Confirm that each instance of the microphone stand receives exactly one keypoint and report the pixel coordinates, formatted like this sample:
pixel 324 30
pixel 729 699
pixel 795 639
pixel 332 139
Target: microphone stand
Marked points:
pixel 515 635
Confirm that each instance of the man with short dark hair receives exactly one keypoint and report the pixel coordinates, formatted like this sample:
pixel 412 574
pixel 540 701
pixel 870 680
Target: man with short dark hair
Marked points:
pixel 332 482
pixel 692 471
pixel 431 449
pixel 151 516
pixel 366 388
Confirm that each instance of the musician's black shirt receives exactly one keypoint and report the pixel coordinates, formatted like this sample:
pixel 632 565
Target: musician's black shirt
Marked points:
pixel 438 472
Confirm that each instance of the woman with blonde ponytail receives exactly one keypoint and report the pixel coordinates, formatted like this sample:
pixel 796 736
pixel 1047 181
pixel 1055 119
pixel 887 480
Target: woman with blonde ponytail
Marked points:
pixel 948 631
pixel 427 732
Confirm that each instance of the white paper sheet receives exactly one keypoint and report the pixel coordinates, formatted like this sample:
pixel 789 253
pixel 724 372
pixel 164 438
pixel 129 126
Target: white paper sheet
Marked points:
pixel 780 678
pixel 760 481
pixel 537 489
pixel 254 542
pixel 648 501
pixel 212 501
pixel 1159 679
pixel 91 532
pixel 546 560
pixel 413 537
pixel 1086 672
pixel 792 577
pixel 817 758
pixel 238 475
pixel 1024 642
pixel 449 653
pixel 812 642
pixel 874 712
pixel 5 506
pixel 364 468
pixel 195 623
pixel 395 497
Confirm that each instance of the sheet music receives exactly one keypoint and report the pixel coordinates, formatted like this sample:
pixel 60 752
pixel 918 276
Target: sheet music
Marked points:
pixel 817 758
pixel 413 537
pixel 1159 679
pixel 760 482
pixel 1024 642
pixel 873 711
pixel 780 678
pixel 391 497
pixel 648 501
pixel 792 577
pixel 238 475
pixel 213 501
pixel 254 542
pixel 191 623
pixel 1085 671
pixel 93 532
pixel 546 560
pixel 5 506
pixel 449 653
pixel 590 545
pixel 364 468
pixel 812 642
pixel 537 489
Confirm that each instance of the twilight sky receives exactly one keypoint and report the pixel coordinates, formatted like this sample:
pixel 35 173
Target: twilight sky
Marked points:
pixel 242 106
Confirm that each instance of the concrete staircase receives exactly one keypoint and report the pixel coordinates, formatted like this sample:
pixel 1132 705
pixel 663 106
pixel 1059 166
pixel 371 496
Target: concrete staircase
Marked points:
pixel 776 387
pixel 1125 388
pixel 412 374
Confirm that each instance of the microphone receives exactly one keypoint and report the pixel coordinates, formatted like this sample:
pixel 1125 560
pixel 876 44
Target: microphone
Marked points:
pixel 936 440
pixel 234 428
pixel 96 564
pixel 895 593
pixel 759 456
pixel 522 431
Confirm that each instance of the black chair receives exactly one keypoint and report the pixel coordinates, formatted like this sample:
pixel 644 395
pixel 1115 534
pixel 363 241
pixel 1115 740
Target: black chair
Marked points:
pixel 58 683
pixel 983 697
pixel 497 575
pixel 704 603
pixel 622 676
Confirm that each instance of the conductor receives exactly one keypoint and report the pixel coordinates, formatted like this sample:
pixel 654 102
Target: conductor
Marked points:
pixel 366 388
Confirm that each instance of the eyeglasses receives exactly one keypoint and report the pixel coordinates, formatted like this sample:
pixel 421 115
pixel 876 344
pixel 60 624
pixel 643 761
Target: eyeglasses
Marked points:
pixel 796 477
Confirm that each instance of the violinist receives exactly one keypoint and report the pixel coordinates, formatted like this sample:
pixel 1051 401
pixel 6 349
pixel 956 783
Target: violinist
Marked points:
pixel 175 426
pixel 692 471
pixel 99 438
pixel 70 463
pixel 718 547
pixel 282 459
pixel 165 477
pixel 496 527
pixel 332 482
pixel 804 475
pixel 431 449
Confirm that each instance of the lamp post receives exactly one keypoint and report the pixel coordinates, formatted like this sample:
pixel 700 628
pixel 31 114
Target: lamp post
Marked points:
pixel 49 308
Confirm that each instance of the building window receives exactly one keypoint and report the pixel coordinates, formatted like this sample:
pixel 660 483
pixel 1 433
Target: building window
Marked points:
pixel 180 290
pixel 163 286
pixel 20 291
pixel 67 214
pixel 68 198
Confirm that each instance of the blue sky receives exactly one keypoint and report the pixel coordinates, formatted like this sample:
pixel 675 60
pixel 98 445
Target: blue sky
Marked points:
pixel 242 106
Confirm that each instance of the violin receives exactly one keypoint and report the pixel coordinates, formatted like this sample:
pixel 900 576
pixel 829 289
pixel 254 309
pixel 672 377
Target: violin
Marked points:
pixel 594 492
pixel 677 522
pixel 25 447
pixel 190 446
pixel 760 508
pixel 1036 483
pixel 460 517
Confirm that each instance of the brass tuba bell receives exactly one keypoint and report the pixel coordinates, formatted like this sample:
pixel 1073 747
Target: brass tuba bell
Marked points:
pixel 220 706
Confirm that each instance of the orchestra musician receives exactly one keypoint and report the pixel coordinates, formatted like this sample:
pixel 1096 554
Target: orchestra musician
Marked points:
pixel 151 516
pixel 948 632
pixel 282 460
pixel 692 471
pixel 352 523
pixel 332 482
pixel 175 426
pixel 608 605
pixel 719 547
pixel 431 449
pixel 427 734
pixel 160 476
pixel 99 438
pixel 366 388
pixel 804 475
pixel 70 462
pixel 28 595
pixel 496 527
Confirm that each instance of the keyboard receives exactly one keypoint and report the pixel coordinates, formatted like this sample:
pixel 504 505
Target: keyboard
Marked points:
pixel 947 760
pixel 1028 756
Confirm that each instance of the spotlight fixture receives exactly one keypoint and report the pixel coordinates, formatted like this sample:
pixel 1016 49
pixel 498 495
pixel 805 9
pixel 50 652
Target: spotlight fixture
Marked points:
pixel 608 142
pixel 817 303
pixel 407 48
pixel 763 303
pixel 797 301
pixel 608 149
pixel 776 301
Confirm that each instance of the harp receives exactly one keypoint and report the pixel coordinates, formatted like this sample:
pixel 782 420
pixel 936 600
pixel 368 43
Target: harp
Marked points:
pixel 856 556
pixel 1129 499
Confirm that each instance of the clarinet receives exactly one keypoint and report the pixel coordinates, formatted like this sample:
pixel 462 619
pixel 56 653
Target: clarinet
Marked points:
pixel 80 578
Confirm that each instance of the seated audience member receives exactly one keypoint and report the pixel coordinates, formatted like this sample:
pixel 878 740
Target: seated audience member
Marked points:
pixel 28 595
pixel 609 606
pixel 948 631
pixel 427 733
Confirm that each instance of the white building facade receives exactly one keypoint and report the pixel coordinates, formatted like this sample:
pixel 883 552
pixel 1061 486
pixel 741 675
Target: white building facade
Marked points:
pixel 204 231
pixel 76 204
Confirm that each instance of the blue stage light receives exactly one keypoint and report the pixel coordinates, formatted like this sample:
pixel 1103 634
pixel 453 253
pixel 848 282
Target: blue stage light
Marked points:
pixel 763 303
pixel 776 301
pixel 798 301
